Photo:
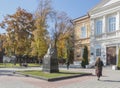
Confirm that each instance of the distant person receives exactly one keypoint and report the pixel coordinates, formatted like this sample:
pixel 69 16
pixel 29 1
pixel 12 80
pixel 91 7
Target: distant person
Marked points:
pixel 68 64
pixel 98 67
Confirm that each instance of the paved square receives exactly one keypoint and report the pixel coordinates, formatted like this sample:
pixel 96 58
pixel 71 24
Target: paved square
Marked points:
pixel 110 79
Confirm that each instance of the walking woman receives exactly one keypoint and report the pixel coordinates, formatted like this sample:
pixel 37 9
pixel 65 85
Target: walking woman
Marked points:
pixel 98 67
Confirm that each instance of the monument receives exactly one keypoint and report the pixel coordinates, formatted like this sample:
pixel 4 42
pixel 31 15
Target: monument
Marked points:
pixel 50 62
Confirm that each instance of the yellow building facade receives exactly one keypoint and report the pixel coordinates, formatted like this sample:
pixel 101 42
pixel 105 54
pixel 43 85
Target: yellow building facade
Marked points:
pixel 81 36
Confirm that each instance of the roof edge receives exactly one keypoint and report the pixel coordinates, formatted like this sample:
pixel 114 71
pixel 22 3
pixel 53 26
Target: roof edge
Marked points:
pixel 81 18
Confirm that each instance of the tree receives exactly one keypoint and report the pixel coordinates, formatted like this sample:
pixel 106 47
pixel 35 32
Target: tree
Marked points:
pixel 19 27
pixel 61 47
pixel 2 40
pixel 118 65
pixel 85 57
pixel 70 50
pixel 62 27
pixel 40 41
pixel 39 45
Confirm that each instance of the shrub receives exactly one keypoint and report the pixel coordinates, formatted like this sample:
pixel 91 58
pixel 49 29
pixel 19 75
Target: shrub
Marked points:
pixel 118 65
pixel 85 57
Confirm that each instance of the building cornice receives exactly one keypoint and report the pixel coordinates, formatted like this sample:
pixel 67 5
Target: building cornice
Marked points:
pixel 81 18
pixel 108 39
pixel 99 5
pixel 81 40
pixel 111 6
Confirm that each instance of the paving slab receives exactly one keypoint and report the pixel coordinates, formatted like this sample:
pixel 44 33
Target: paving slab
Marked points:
pixel 110 79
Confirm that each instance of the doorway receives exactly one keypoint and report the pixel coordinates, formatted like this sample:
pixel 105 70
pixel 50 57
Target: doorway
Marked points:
pixel 111 55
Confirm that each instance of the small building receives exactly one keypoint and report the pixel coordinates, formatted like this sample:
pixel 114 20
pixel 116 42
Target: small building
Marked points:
pixel 105 31
pixel 81 37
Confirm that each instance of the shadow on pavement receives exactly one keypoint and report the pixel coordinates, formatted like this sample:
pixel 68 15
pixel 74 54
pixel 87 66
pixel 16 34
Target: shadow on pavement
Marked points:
pixel 110 80
pixel 8 73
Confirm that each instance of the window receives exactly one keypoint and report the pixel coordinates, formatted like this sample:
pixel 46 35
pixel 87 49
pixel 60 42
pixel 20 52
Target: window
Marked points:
pixel 98 52
pixel 83 32
pixel 111 24
pixel 99 26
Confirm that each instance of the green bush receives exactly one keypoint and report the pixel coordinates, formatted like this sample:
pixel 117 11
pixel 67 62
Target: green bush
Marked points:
pixel 85 57
pixel 118 65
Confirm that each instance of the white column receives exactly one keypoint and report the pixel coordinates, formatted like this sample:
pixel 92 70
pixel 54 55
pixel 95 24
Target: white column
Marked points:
pixel 117 52
pixel 104 25
pixel 118 21
pixel 92 38
pixel 92 25
pixel 104 53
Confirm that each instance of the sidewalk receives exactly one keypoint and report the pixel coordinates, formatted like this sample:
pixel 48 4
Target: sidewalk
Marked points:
pixel 110 79
pixel 21 69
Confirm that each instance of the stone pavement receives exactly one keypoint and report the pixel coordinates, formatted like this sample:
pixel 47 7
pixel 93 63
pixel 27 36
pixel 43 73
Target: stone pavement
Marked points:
pixel 110 79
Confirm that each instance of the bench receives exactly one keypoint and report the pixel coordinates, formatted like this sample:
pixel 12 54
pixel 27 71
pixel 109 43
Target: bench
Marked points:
pixel 24 64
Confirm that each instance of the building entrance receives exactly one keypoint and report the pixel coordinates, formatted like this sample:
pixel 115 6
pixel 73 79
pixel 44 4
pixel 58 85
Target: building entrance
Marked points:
pixel 111 55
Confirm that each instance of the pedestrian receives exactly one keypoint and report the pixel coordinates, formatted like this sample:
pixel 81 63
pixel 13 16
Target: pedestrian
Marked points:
pixel 68 64
pixel 98 67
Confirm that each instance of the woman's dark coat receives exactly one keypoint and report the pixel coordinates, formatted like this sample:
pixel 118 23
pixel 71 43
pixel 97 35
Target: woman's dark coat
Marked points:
pixel 98 66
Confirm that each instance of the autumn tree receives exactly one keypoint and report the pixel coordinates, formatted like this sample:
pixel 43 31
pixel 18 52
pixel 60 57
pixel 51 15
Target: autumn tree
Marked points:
pixel 5 45
pixel 2 41
pixel 61 48
pixel 61 30
pixel 40 42
pixel 19 27
pixel 70 48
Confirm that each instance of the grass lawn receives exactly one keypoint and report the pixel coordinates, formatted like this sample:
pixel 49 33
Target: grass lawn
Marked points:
pixel 33 65
pixel 50 75
pixel 10 65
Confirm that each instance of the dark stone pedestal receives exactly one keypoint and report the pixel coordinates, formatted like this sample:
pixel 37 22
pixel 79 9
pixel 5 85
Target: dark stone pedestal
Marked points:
pixel 50 62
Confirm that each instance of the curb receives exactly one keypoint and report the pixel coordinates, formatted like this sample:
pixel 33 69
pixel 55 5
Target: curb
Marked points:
pixel 53 79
